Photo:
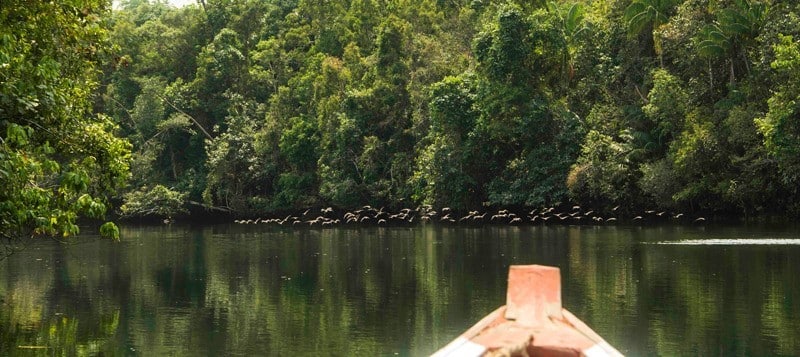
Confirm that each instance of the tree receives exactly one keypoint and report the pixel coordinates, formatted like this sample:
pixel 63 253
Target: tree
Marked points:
pixel 58 160
pixel 780 126
pixel 503 48
pixel 572 28
pixel 646 16
pixel 221 67
pixel 604 172
pixel 734 30
pixel 444 174
pixel 156 202
pixel 666 108
pixel 150 94
pixel 236 171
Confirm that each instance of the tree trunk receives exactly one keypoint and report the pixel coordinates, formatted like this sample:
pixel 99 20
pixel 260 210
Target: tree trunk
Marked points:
pixel 174 167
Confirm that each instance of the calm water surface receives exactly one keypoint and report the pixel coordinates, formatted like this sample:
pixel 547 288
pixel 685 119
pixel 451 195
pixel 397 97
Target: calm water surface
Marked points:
pixel 258 290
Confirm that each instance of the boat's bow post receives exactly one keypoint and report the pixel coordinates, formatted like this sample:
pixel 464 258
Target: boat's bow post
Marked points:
pixel 533 322
pixel 533 297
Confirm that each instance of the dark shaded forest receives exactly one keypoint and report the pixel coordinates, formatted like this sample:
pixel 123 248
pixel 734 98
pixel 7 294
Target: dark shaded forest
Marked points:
pixel 254 107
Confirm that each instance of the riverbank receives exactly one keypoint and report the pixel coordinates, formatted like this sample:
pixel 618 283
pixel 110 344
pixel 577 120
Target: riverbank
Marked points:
pixel 369 215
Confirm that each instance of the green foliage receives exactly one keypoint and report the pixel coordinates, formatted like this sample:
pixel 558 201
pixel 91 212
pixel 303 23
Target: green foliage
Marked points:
pixel 535 173
pixel 293 191
pixel 733 31
pixel 109 229
pixel 647 14
pixel 660 182
pixel 573 28
pixel 602 169
pixel 502 49
pixel 158 201
pixel 234 164
pixel 298 144
pixel 698 160
pixel 780 126
pixel 445 174
pixel 269 105
pixel 58 160
pixel 521 50
pixel 667 106
pixel 452 109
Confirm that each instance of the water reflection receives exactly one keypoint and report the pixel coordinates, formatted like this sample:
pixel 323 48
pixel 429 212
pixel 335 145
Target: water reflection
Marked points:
pixel 244 290
pixel 743 241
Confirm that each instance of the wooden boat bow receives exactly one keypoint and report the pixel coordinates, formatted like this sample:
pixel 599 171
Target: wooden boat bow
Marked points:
pixel 532 323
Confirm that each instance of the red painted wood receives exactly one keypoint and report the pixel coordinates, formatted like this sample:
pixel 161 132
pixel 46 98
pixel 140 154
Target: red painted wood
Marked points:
pixel 533 322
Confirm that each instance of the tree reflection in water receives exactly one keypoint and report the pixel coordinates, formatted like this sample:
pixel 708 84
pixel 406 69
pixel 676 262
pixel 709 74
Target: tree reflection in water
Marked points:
pixel 177 290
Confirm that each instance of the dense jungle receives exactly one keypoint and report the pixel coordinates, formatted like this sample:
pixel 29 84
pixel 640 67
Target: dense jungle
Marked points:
pixel 253 107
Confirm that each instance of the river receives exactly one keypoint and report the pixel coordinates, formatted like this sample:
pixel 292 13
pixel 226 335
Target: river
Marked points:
pixel 243 290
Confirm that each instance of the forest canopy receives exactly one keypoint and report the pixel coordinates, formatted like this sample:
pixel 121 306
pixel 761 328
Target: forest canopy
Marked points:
pixel 263 106
pixel 260 106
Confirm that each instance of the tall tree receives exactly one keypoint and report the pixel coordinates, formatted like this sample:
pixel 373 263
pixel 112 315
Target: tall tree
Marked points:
pixel 58 160
pixel 780 125
pixel 733 32
pixel 646 16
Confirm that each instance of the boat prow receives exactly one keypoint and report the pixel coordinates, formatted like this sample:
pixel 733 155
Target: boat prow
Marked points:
pixel 532 323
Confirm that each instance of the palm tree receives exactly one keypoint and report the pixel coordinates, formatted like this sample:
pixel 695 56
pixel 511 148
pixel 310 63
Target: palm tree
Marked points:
pixel 648 15
pixel 571 27
pixel 732 33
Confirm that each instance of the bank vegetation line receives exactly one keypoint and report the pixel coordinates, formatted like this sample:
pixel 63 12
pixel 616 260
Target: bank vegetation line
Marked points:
pixel 368 215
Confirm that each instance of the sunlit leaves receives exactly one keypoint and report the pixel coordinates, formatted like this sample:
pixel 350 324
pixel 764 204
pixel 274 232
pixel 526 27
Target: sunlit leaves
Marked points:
pixel 452 109
pixel 158 201
pixel 573 27
pixel 17 134
pixel 389 50
pixel 744 19
pixel 298 144
pixel 734 30
pixel 59 161
pixel 667 106
pixel 780 126
pixel 110 230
